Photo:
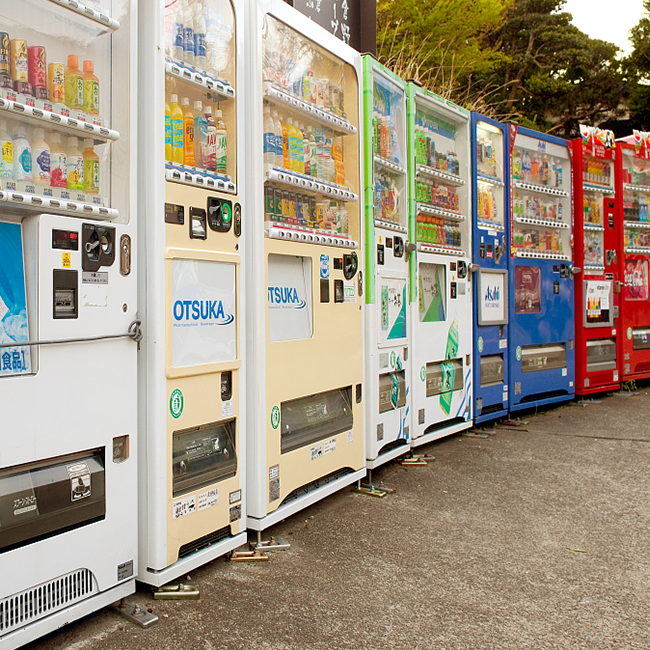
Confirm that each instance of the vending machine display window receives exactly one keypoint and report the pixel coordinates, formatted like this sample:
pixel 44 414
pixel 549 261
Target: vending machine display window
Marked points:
pixel 636 197
pixel 432 293
pixel 489 176
pixel 598 296
pixel 310 419
pixel 203 455
pixel 528 294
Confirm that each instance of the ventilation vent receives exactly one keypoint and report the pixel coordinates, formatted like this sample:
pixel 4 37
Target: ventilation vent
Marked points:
pixel 546 395
pixel 38 602
pixel 204 542
pixel 318 483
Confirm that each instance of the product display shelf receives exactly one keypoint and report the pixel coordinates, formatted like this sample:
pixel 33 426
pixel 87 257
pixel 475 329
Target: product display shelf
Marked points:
pixel 547 223
pixel 641 250
pixel 542 189
pixel 58 122
pixel 489 180
pixel 437 173
pixel 309 184
pixel 604 189
pixel 199 178
pixel 636 188
pixel 390 225
pixel 200 79
pixel 90 13
pixel 593 226
pixel 309 110
pixel 308 236
pixel 40 203
pixel 593 268
pixel 425 247
pixel 426 208
pixel 489 225
pixel 388 164
pixel 541 255
pixel 637 224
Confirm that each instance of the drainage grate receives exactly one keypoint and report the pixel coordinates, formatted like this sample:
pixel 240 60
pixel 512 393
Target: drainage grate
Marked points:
pixel 35 603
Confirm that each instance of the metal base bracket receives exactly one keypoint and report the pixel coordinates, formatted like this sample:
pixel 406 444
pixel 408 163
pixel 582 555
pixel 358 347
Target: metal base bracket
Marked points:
pixel 135 613
pixel 371 491
pixel 271 545
pixel 512 423
pixel 248 556
pixel 413 460
pixel 475 434
pixel 177 592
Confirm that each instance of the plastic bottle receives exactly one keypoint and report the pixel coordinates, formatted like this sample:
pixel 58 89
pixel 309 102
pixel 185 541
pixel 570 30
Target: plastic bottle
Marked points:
pixel 222 45
pixel 210 155
pixel 269 137
pixel 200 134
pixel 306 149
pixel 170 10
pixel 188 34
pixel 169 147
pixel 91 168
pixel 91 89
pixel 313 163
pixel 277 129
pixel 293 146
pixel 301 147
pixel 286 159
pixel 177 130
pixel 7 148
pixel 177 31
pixel 199 37
pixel 58 162
pixel 222 145
pixel 75 165
pixel 22 155
pixel 41 158
pixel 188 133
pixel 211 29
pixel 74 84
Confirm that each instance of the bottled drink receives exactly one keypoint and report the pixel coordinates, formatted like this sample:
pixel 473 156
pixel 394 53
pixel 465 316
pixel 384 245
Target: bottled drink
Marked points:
pixel 177 130
pixel 7 155
pixel 300 129
pixel 199 37
pixel 277 130
pixel 75 165
pixel 200 134
pixel 293 146
pixel 74 84
pixel 188 34
pixel 269 137
pixel 188 133
pixel 58 162
pixel 169 147
pixel 313 160
pixel 286 160
pixel 91 168
pixel 177 30
pixel 91 89
pixel 22 155
pixel 210 154
pixel 41 158
pixel 222 145
pixel 306 149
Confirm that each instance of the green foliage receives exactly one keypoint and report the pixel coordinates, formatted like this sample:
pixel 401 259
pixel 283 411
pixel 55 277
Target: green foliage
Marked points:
pixel 639 65
pixel 629 386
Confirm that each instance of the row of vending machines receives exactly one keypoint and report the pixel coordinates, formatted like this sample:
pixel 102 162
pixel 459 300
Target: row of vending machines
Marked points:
pixel 319 268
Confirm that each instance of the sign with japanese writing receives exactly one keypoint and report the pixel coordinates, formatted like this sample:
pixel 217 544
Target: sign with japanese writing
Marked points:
pixel 392 314
pixel 339 17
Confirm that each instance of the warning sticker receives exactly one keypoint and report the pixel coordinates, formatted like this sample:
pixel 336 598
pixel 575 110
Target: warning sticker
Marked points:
pixel 227 409
pixel 65 261
pixel 183 507
pixel 316 451
pixel 350 436
pixel 208 499
pixel 79 481
pixel 330 446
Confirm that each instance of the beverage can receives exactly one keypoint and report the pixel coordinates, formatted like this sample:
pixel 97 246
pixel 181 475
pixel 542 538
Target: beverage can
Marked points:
pixel 37 66
pixel 5 54
pixel 56 82
pixel 19 65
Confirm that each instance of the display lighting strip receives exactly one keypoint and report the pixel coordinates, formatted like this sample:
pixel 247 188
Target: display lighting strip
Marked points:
pixel 61 122
pixel 60 206
pixel 549 223
pixel 636 188
pixel 310 237
pixel 324 117
pixel 593 226
pixel 431 171
pixel 200 179
pixel 594 267
pixel 89 12
pixel 490 226
pixel 636 224
pixel 489 180
pixel 384 162
pixel 425 208
pixel 598 188
pixel 224 90
pixel 637 249
pixel 542 255
pixel 308 184
pixel 540 188
pixel 390 225
pixel 433 248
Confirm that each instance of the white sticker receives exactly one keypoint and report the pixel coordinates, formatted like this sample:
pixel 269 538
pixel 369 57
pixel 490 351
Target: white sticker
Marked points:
pixel 614 332
pixel 80 487
pixel 227 409
pixel 235 496
pixel 330 446
pixel 570 384
pixel 505 396
pixel 503 343
pixel 461 288
pixel 316 452
pixel 324 267
pixel 182 507
pixel 208 499
pixel 349 291
pixel 615 375
pixel 350 436
pixel 274 472
pixel 94 295
pixel 564 372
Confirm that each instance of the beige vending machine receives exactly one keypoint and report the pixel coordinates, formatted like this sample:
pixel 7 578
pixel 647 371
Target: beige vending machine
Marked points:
pixel 191 398
pixel 305 288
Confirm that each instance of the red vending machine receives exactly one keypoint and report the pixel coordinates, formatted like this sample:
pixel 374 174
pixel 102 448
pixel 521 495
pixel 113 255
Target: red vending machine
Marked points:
pixel 633 188
pixel 597 234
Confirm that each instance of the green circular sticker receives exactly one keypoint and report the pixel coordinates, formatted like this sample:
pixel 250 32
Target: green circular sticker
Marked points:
pixel 480 344
pixel 392 359
pixel 423 373
pixel 629 333
pixel 518 353
pixel 176 403
pixel 275 417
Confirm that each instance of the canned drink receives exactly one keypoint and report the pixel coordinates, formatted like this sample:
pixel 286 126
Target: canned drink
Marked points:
pixel 285 204
pixel 37 66
pixel 319 214
pixel 268 202
pixel 292 206
pixel 19 66
pixel 277 204
pixel 56 82
pixel 5 54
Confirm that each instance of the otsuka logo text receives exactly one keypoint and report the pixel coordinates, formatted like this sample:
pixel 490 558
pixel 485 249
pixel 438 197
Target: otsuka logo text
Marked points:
pixel 286 297
pixel 211 311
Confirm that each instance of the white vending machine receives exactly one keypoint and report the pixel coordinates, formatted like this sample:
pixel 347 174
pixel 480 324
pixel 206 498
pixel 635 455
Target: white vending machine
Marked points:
pixel 191 398
pixel 305 325
pixel 68 312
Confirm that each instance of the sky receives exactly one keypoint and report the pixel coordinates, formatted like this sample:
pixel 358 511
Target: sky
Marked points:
pixel 608 20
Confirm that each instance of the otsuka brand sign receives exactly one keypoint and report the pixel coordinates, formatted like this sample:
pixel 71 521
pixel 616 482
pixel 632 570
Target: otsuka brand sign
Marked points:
pixel 289 298
pixel 203 312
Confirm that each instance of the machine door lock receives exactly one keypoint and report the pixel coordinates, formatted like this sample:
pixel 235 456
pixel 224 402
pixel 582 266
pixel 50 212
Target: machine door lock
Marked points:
pixel 573 271
pixel 610 257
pixel 219 214
pixel 498 252
pixel 97 246
pixel 462 270
pixel 360 282
pixel 474 268
pixel 410 247
pixel 350 265
pixel 398 246
pixel 125 255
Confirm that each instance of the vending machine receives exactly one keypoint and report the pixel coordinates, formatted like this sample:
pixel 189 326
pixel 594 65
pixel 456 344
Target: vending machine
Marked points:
pixel 387 296
pixel 597 235
pixel 490 247
pixel 633 192
pixel 68 313
pixel 305 288
pixel 541 303
pixel 193 223
pixel 441 282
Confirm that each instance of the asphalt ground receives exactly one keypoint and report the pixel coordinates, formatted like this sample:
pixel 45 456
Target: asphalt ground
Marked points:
pixel 535 537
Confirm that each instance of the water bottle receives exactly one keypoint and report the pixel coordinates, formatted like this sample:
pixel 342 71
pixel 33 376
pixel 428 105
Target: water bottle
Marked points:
pixel 188 34
pixel 199 38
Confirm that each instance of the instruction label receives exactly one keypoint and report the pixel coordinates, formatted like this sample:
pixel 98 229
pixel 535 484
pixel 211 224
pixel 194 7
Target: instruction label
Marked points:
pixel 329 446
pixel 79 481
pixel 182 507
pixel 316 451
pixel 208 499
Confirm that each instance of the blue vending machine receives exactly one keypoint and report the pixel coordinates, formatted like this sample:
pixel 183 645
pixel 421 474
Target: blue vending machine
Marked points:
pixel 490 255
pixel 541 343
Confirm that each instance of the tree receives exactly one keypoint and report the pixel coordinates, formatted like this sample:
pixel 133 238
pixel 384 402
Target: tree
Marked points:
pixel 639 67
